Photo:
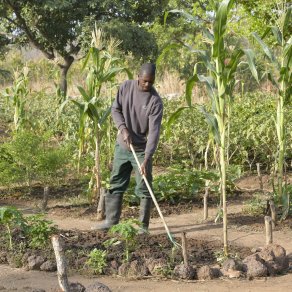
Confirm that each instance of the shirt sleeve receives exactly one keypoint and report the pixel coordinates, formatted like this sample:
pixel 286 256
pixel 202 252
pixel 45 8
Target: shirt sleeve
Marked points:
pixel 117 109
pixel 155 119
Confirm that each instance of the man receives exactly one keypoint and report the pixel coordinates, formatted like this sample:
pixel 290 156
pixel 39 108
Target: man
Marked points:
pixel 137 113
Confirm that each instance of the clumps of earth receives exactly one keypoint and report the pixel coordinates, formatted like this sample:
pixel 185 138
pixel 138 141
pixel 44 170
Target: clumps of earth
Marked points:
pixel 154 256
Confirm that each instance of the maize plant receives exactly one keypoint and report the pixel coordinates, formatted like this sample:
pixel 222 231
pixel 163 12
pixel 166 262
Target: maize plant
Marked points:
pixel 220 63
pixel 94 108
pixel 17 95
pixel 280 74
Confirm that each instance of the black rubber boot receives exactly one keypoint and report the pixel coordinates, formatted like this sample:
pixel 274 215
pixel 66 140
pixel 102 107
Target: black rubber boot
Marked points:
pixel 113 209
pixel 145 211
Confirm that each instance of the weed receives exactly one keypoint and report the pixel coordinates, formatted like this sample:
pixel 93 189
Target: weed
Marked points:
pixel 126 231
pixel 254 206
pixel 39 230
pixel 97 260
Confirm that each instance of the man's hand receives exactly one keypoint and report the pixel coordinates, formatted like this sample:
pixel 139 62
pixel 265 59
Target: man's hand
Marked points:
pixel 144 167
pixel 126 137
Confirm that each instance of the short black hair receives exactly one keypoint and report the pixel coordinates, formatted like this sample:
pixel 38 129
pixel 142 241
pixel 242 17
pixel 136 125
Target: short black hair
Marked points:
pixel 148 68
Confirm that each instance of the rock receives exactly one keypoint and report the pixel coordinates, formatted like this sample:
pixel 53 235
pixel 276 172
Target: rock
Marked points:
pixel 275 259
pixel 48 266
pixel 185 272
pixel 231 264
pixel 205 273
pixel 254 266
pixel 276 249
pixel 76 287
pixel 3 258
pixel 34 262
pixel 135 269
pixel 157 267
pixel 216 271
pixel 98 287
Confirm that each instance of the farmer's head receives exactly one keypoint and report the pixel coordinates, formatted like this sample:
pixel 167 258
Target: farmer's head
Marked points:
pixel 146 76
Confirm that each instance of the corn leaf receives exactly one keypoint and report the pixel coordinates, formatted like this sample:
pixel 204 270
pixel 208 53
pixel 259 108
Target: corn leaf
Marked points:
pixel 186 15
pixel 213 124
pixel 83 93
pixel 277 33
pixel 251 63
pixel 172 119
pixel 219 27
pixel 266 49
pixel 189 88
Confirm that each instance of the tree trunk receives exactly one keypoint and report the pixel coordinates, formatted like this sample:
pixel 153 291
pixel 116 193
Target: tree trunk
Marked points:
pixel 68 60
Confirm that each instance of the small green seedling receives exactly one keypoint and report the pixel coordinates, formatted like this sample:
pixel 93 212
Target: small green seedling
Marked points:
pixel 127 232
pixel 97 260
pixel 10 217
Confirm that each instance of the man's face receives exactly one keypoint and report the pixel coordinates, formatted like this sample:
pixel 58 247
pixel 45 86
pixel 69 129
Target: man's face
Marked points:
pixel 146 81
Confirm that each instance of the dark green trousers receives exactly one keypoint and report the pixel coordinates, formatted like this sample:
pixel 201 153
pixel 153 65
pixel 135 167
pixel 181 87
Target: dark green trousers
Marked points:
pixel 123 164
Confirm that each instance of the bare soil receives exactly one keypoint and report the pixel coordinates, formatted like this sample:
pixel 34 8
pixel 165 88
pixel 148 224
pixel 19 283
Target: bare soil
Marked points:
pixel 204 242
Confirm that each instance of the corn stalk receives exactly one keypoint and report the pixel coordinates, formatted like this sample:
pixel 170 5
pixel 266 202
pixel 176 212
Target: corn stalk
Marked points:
pixel 280 74
pixel 102 67
pixel 17 95
pixel 221 65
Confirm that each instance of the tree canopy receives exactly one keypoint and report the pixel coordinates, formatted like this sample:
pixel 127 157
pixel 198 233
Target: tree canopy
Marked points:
pixel 57 27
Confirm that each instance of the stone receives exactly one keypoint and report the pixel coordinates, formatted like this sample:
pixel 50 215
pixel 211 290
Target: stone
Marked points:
pixel 98 287
pixel 48 266
pixel 76 287
pixel 205 273
pixel 275 259
pixel 134 269
pixel 254 266
pixel 34 262
pixel 231 264
pixel 185 272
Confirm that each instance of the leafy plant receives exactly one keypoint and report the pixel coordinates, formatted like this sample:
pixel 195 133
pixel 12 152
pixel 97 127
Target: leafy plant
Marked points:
pixel 97 260
pixel 39 230
pixel 126 231
pixel 181 184
pixel 11 217
pixel 255 206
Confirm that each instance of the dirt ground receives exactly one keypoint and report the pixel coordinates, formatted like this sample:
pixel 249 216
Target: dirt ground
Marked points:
pixel 244 231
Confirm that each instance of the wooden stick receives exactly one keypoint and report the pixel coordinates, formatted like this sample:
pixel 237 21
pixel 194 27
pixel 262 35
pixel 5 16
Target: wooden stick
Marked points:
pixel 273 213
pixel 269 230
pixel 101 206
pixel 206 201
pixel 184 248
pixel 61 263
pixel 260 177
pixel 45 197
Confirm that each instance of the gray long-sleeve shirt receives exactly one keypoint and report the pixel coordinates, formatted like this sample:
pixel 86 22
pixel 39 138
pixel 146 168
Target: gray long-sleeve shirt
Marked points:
pixel 141 113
